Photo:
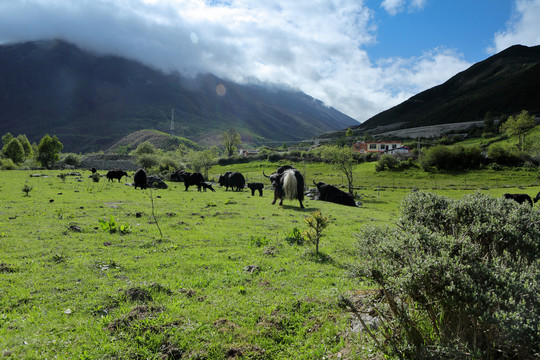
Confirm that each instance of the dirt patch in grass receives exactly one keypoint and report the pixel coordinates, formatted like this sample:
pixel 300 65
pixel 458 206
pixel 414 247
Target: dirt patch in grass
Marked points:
pixel 138 313
pixel 137 294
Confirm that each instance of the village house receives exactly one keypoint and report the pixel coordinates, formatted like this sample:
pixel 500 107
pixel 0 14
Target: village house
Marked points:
pixel 389 146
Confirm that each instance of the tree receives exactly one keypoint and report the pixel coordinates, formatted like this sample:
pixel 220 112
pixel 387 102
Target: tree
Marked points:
pixel 231 140
pixel 349 133
pixel 145 148
pixel 14 151
pixel 202 161
pixel 49 151
pixel 28 151
pixel 342 159
pixel 316 223
pixel 518 125
pixel 6 139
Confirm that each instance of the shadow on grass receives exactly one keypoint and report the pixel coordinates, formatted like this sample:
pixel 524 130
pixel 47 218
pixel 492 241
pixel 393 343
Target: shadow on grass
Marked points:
pixel 320 258
pixel 299 209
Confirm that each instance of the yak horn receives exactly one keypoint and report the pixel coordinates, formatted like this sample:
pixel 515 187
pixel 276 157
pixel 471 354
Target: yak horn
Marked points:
pixel 314 182
pixel 266 175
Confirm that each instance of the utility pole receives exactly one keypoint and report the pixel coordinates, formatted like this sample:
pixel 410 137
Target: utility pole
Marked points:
pixel 172 122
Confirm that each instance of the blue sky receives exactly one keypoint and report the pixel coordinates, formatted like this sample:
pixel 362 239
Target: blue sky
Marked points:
pixel 359 56
pixel 467 26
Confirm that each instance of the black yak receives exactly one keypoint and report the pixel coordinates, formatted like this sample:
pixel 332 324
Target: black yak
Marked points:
pixel 234 180
pixel 188 178
pixel 520 198
pixel 333 194
pixel 256 186
pixel 288 184
pixel 116 174
pixel 140 179
pixel 207 185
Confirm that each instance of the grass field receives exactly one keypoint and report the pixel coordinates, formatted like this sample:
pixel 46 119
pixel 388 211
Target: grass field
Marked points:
pixel 222 280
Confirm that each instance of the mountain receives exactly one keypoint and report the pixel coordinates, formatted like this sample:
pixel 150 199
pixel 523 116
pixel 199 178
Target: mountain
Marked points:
pixel 90 101
pixel 503 84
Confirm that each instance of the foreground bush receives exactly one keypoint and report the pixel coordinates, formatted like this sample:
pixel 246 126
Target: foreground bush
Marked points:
pixel 459 279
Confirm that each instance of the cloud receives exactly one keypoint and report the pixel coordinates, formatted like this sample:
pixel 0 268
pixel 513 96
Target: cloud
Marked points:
pixel 316 47
pixel 393 7
pixel 523 28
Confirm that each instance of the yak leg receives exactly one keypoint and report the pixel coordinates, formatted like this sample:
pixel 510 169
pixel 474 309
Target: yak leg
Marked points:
pixel 275 196
pixel 260 192
pixel 301 205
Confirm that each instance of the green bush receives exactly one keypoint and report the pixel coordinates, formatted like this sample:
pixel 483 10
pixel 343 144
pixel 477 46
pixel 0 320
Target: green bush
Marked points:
pixel 71 159
pixel 148 161
pixel 458 279
pixel 7 164
pixel 504 156
pixel 451 158
pixel 387 162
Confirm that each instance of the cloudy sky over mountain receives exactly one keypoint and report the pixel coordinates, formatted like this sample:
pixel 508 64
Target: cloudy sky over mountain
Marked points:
pixel 360 57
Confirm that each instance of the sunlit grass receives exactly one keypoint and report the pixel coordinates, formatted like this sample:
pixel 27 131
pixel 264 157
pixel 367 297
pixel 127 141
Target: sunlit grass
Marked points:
pixel 222 280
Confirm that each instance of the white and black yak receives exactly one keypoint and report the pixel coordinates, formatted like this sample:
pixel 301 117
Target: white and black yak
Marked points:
pixel 331 193
pixel 288 183
pixel 233 180
pixel 140 179
pixel 188 178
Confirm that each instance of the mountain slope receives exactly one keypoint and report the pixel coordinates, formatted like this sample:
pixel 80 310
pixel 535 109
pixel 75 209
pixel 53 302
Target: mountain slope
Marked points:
pixel 90 101
pixel 503 84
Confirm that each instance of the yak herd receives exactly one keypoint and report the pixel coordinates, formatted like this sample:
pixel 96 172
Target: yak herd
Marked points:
pixel 287 182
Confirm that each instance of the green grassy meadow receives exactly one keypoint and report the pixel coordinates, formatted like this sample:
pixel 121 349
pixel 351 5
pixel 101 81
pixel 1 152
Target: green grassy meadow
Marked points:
pixel 221 280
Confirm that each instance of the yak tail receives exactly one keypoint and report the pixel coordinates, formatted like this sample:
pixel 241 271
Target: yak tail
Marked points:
pixel 290 187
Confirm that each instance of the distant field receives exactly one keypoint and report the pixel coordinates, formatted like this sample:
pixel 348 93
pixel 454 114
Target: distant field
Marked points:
pixel 223 280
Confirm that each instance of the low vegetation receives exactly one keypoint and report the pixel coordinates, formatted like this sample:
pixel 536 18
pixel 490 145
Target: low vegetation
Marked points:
pixel 433 264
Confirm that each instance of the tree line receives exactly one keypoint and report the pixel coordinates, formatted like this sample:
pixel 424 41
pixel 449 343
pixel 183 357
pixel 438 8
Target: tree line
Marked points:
pixel 17 150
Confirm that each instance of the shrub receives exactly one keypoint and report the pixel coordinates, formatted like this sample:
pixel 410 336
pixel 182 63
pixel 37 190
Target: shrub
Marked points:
pixel 7 164
pixel 387 162
pixel 458 277
pixel 145 148
pixel 71 159
pixel 504 156
pixel 452 158
pixel 148 161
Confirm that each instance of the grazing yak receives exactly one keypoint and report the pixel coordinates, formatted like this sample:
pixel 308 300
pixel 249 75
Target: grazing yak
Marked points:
pixel 520 198
pixel 333 194
pixel 207 185
pixel 234 180
pixel 116 174
pixel 140 179
pixel 188 178
pixel 256 186
pixel 288 184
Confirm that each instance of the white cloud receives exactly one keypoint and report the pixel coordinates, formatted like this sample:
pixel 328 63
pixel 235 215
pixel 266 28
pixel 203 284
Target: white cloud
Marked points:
pixel 523 28
pixel 316 47
pixel 393 7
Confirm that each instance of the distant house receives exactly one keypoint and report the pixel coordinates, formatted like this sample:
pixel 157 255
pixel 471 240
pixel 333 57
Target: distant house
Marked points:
pixel 249 152
pixel 378 146
pixel 399 150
